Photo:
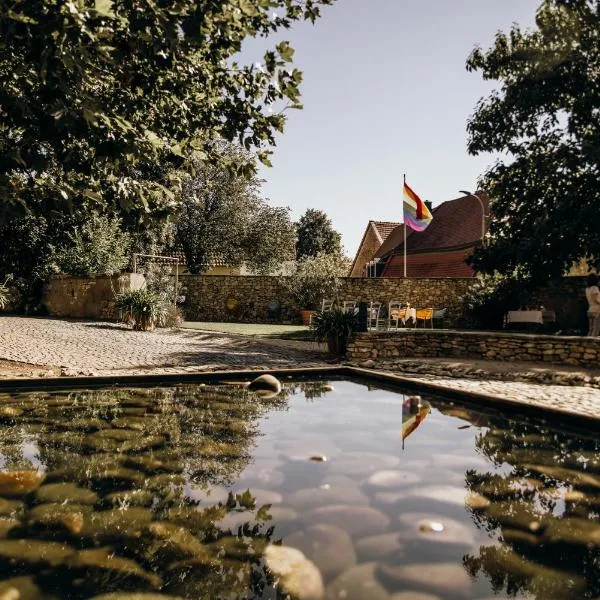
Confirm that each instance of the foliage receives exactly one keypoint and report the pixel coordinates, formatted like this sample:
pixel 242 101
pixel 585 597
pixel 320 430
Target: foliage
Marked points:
pixel 97 246
pixel 96 94
pixel 491 295
pixel 5 294
pixel 160 280
pixel 142 309
pixel 269 239
pixel 316 235
pixel 334 327
pixel 545 120
pixel 314 279
pixel 222 217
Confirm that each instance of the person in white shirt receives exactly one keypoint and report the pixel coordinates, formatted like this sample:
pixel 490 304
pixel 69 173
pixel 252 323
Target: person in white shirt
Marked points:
pixel 592 293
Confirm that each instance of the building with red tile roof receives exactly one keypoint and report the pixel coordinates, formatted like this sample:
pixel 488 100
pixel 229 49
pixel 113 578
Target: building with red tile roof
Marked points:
pixel 374 236
pixel 439 251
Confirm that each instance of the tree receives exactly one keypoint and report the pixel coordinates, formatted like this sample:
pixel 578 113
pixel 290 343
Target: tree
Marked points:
pixel 95 94
pixel 222 217
pixel 316 235
pixel 98 246
pixel 545 121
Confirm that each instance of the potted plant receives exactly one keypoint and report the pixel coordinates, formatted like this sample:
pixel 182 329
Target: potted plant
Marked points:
pixel 334 327
pixel 315 278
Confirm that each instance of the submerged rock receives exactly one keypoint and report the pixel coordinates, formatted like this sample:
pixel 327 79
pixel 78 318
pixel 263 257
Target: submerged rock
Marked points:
pixel 388 479
pixel 578 479
pixel 116 524
pixel 243 548
pixel 152 465
pixel 266 383
pixel 439 578
pixel 358 583
pixel 312 498
pixel 10 508
pixel 103 568
pixel 500 561
pixel 515 515
pixel 20 588
pixel 476 501
pixel 68 517
pixel 573 531
pixel 168 542
pixel 67 493
pixel 131 498
pixel 327 546
pixel 6 526
pixel 34 553
pixel 356 520
pixel 127 596
pixel 224 580
pixel 377 547
pixel 294 573
pixel 15 484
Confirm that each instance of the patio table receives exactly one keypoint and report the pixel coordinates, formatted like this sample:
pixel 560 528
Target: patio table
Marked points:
pixel 524 316
pixel 409 313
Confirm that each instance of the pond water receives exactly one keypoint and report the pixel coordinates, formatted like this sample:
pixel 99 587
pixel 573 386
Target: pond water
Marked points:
pixel 209 492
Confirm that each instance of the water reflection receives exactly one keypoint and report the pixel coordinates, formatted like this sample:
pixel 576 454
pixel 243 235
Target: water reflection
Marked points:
pixel 540 506
pixel 209 492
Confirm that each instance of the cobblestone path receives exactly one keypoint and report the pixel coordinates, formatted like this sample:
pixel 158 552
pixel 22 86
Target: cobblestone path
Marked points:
pixel 105 348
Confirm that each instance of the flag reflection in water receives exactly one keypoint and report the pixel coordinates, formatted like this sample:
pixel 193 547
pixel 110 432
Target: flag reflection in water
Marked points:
pixel 414 411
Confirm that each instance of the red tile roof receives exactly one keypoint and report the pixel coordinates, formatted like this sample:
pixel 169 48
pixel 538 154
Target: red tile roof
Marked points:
pixel 430 264
pixel 456 224
pixel 384 228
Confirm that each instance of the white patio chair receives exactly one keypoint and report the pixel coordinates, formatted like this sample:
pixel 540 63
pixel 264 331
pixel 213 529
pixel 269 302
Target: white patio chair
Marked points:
pixel 326 305
pixel 396 315
pixel 373 316
pixel 350 306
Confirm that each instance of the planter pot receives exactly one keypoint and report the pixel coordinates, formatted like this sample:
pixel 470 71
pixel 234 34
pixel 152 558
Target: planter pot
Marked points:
pixel 306 316
pixel 336 345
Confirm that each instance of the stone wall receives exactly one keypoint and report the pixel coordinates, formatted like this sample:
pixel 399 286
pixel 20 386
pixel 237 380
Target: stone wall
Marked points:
pixel 87 297
pixel 207 296
pixel 425 343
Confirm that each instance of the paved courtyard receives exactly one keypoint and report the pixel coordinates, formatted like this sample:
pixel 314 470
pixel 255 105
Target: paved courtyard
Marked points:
pixel 100 348
pixel 85 347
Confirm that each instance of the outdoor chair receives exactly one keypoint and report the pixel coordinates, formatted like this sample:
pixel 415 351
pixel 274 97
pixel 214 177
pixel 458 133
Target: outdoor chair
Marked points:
pixel 350 306
pixel 326 305
pixel 396 314
pixel 425 315
pixel 374 316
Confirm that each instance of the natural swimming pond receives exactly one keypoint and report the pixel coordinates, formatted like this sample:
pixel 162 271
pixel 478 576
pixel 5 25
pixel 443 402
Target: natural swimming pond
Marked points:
pixel 209 492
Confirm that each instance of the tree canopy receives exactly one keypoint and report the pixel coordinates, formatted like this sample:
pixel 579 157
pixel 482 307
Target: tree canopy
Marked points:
pixel 316 235
pixel 96 93
pixel 545 121
pixel 223 218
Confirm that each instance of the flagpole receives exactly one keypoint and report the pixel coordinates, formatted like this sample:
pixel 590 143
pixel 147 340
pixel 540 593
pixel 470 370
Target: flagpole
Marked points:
pixel 404 230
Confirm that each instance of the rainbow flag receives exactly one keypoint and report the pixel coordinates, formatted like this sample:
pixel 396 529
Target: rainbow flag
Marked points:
pixel 416 213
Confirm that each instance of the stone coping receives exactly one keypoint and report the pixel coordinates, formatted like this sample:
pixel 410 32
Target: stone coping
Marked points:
pixel 546 337
pixel 565 415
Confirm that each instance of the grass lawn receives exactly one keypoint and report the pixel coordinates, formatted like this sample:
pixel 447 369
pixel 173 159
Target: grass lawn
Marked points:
pixel 285 332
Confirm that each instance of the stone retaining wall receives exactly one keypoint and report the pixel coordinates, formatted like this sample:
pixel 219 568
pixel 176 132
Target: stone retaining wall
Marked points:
pixel 207 296
pixel 425 343
pixel 87 297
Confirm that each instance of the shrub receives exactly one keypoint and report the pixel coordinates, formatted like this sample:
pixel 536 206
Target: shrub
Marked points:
pixel 315 278
pixel 5 295
pixel 491 296
pixel 334 327
pixel 142 309
pixel 96 247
